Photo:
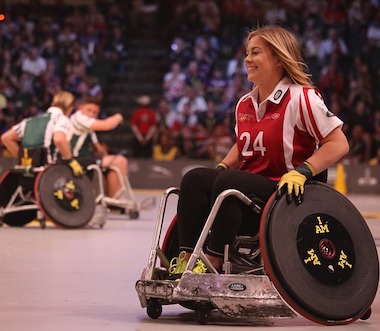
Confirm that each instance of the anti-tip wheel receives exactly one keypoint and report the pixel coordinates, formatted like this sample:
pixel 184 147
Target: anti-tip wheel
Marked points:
pixel 154 309
pixel 202 313
pixel 134 214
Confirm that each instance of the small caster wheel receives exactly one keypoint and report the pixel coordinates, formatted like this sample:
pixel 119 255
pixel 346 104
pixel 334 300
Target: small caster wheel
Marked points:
pixel 154 309
pixel 202 314
pixel 134 215
pixel 42 223
pixel 367 314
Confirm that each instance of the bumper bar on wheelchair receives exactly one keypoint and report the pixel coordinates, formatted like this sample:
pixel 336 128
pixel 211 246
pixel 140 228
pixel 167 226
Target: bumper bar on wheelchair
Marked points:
pixel 18 169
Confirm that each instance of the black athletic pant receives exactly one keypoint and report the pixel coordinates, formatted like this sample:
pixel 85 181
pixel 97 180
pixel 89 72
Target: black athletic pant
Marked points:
pixel 199 189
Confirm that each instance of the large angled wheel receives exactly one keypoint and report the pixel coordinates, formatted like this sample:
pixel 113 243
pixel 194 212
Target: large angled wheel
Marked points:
pixel 67 200
pixel 8 185
pixel 170 244
pixel 320 255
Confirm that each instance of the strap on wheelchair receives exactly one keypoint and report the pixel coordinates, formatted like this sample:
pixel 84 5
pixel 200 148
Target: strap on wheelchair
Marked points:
pixel 257 203
pixel 33 157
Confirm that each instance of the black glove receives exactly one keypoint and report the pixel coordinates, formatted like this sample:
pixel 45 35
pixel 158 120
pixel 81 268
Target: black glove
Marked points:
pixel 293 183
pixel 221 166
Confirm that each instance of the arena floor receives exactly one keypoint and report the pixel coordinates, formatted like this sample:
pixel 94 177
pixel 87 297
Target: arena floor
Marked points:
pixel 55 279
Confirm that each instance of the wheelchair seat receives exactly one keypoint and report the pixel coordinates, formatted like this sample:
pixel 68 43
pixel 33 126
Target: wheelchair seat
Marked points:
pixel 320 257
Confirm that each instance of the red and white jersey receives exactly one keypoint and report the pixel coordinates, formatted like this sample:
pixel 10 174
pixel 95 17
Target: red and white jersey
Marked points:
pixel 283 131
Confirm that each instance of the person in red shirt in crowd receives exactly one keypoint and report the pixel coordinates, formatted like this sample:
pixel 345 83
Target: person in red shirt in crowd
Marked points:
pixel 144 126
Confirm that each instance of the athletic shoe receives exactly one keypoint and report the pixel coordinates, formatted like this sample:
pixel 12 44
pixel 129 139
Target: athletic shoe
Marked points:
pixel 200 267
pixel 178 264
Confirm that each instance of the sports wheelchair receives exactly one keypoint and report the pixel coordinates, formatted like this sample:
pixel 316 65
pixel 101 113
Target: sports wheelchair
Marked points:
pixel 126 205
pixel 317 260
pixel 51 192
pixel 37 190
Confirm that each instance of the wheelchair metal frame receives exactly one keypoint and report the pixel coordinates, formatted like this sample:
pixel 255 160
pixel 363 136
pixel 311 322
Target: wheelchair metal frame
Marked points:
pixel 224 292
pixel 280 290
pixel 102 201
pixel 12 206
pixel 129 205
pixel 30 197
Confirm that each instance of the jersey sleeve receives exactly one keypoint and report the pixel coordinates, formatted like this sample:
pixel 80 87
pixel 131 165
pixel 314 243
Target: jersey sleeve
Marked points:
pixel 315 117
pixel 81 122
pixel 63 124
pixel 19 128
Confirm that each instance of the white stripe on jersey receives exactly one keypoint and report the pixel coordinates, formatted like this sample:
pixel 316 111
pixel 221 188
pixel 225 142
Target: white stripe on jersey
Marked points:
pixel 305 122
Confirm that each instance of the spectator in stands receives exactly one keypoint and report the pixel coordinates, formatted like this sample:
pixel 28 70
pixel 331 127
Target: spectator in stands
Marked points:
pixel 332 43
pixel 312 45
pixel 196 103
pixel 360 147
pixel 185 118
pixel 75 65
pixel 116 48
pixel 180 52
pixel 34 64
pixel 216 85
pixel 144 126
pixel 205 53
pixel 94 87
pixel 174 84
pixel 194 79
pixel 275 13
pixel 165 149
pixel 334 15
pixel 165 116
pixel 363 115
pixel 332 79
pixel 210 15
pixel 48 84
pixel 373 32
pixel 235 65
pixel 210 118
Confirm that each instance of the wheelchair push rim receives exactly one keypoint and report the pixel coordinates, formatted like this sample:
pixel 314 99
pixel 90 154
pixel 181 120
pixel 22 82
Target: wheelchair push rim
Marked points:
pixel 67 200
pixel 320 255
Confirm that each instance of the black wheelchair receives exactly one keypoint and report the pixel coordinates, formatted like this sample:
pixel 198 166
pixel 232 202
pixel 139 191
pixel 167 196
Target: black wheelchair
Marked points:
pixel 37 189
pixel 43 193
pixel 316 260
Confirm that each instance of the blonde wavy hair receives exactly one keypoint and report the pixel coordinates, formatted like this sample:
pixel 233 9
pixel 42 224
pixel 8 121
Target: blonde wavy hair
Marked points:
pixel 63 100
pixel 287 49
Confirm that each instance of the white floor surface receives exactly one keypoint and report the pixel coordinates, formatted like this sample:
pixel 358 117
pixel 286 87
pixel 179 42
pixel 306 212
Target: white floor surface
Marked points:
pixel 84 280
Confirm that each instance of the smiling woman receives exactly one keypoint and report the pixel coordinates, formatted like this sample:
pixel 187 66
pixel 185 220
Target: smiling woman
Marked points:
pixel 284 137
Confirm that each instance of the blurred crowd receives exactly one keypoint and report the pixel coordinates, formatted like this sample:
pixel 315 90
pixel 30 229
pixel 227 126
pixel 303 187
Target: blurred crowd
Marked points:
pixel 47 48
pixel 42 51
pixel 341 43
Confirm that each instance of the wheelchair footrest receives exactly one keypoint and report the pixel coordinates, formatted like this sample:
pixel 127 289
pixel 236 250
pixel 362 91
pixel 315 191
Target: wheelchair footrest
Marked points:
pixel 156 288
pixel 234 295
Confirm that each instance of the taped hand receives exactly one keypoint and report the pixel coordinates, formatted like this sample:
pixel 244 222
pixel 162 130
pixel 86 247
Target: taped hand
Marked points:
pixel 221 166
pixel 293 183
pixel 76 167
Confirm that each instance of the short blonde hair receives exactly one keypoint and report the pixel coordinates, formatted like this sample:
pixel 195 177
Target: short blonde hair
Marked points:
pixel 287 49
pixel 63 100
